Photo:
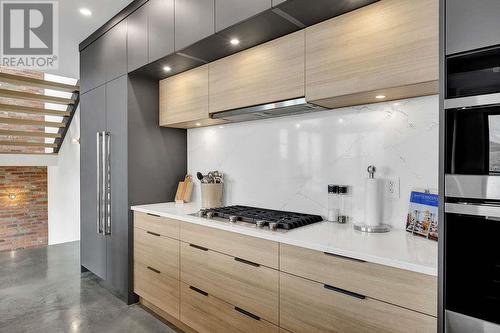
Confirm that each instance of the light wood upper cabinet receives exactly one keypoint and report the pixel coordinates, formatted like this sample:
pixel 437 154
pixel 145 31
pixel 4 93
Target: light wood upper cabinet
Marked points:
pixel 389 47
pixel 267 73
pixel 184 99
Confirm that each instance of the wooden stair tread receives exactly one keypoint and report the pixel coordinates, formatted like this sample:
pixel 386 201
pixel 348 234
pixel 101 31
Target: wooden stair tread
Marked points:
pixel 38 83
pixel 27 144
pixel 8 93
pixel 32 110
pixel 17 121
pixel 17 152
pixel 30 134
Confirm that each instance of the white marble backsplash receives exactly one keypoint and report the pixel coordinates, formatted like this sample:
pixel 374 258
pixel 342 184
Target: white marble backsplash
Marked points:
pixel 286 163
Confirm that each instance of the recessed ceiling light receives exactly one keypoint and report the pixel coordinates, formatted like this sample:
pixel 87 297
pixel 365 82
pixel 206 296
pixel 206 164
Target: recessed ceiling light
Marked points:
pixel 12 196
pixel 235 41
pixel 167 69
pixel 380 96
pixel 85 12
pixel 198 124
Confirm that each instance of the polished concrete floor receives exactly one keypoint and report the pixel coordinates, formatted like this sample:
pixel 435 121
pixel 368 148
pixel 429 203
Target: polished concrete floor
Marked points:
pixel 42 290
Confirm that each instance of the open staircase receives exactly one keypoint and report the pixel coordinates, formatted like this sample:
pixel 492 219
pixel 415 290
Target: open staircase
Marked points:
pixel 36 111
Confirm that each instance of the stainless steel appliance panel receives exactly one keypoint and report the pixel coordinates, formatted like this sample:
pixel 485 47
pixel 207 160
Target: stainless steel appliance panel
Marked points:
pixel 472 186
pixel 460 323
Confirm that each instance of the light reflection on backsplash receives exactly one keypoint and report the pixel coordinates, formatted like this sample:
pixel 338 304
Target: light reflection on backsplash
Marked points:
pixel 286 163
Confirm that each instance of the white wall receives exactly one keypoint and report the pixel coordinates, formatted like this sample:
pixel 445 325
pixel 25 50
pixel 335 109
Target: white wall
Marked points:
pixel 286 163
pixel 74 28
pixel 64 189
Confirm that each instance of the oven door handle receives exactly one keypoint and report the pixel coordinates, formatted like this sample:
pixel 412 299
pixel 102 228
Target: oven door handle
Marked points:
pixel 472 101
pixel 490 211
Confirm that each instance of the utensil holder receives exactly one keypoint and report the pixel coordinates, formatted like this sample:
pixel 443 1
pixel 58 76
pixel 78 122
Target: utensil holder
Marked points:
pixel 211 195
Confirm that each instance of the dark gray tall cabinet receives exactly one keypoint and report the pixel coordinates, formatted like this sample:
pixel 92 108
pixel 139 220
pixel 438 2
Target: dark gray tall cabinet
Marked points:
pixel 145 161
pixel 471 25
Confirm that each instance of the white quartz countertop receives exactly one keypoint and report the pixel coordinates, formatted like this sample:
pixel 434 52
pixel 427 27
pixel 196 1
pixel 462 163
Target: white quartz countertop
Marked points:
pixel 396 248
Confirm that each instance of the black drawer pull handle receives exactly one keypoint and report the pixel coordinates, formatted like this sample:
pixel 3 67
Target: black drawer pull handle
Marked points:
pixel 154 270
pixel 343 257
pixel 199 247
pixel 153 215
pixel 246 313
pixel 345 292
pixel 199 291
pixel 251 263
pixel 153 233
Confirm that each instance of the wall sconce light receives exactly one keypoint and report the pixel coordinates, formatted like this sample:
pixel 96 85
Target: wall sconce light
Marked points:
pixel 12 196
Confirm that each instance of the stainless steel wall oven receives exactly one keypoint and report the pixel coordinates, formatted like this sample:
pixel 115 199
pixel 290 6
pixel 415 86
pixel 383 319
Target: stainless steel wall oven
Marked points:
pixel 472 192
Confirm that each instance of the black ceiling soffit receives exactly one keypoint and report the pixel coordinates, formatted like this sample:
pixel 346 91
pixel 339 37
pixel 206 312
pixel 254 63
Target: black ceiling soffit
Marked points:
pixel 288 17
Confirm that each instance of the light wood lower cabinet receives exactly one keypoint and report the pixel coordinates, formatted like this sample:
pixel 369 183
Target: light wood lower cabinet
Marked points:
pixel 258 250
pixel 157 288
pixel 160 225
pixel 217 281
pixel 207 314
pixel 159 252
pixel 244 284
pixel 308 306
pixel 397 286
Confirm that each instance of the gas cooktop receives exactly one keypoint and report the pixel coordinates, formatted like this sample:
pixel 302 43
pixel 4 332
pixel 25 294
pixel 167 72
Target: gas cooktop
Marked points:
pixel 260 217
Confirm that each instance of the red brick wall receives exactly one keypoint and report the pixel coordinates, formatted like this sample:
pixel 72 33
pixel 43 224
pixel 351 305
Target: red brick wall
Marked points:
pixel 23 220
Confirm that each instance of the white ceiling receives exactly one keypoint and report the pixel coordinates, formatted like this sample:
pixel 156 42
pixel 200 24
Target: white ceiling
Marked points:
pixel 74 28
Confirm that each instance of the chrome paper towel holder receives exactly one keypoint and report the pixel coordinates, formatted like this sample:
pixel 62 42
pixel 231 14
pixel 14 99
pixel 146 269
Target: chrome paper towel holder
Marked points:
pixel 372 227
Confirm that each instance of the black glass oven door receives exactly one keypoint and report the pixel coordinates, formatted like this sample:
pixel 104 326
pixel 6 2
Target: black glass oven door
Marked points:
pixel 473 141
pixel 472 264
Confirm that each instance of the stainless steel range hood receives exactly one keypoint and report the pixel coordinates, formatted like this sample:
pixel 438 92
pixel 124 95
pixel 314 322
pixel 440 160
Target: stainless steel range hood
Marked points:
pixel 271 110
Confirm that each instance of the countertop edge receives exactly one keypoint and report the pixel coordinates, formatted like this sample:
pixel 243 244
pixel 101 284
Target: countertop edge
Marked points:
pixel 276 237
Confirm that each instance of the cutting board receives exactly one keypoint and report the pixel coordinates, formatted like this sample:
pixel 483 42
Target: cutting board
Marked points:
pixel 184 190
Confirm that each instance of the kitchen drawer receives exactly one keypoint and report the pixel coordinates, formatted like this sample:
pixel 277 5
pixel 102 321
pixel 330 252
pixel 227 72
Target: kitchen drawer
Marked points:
pixel 157 288
pixel 156 251
pixel 397 286
pixel 257 250
pixel 308 306
pixel 157 224
pixel 244 284
pixel 208 314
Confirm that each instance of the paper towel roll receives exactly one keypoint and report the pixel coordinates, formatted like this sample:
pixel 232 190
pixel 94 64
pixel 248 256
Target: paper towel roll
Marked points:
pixel 374 201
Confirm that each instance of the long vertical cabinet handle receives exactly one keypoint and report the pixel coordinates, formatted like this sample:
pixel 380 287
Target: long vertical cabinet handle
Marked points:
pixel 107 139
pixel 103 182
pixel 98 177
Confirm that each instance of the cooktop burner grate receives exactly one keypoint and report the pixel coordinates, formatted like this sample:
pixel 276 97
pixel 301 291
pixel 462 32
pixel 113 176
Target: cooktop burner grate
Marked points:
pixel 285 220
